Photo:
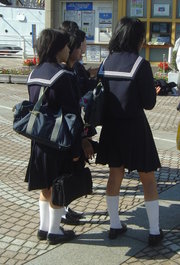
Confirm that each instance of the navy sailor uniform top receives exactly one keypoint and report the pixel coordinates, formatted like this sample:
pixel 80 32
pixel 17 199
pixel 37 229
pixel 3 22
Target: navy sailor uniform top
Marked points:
pixel 63 92
pixel 128 79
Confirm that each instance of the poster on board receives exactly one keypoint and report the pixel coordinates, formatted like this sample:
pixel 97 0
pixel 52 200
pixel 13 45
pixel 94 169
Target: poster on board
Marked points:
pixel 105 18
pixel 161 10
pixel 93 53
pixel 104 53
pixel 82 13
pixel 105 26
pixel 136 8
pixel 105 34
pixel 88 24
pixel 95 18
pixel 80 6
pixel 73 16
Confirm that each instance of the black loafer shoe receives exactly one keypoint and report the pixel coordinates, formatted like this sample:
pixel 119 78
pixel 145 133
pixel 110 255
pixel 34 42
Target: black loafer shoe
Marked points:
pixel 154 240
pixel 54 239
pixel 70 220
pixel 114 233
pixel 74 214
pixel 42 235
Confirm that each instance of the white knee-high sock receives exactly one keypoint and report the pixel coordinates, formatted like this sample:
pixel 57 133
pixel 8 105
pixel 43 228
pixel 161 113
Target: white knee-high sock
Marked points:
pixel 44 215
pixel 54 220
pixel 113 210
pixel 65 212
pixel 152 208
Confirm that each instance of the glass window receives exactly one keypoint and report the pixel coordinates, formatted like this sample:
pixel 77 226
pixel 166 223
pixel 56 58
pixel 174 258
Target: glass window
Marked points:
pixel 136 8
pixel 161 8
pixel 156 55
pixel 160 32
pixel 143 52
pixel 178 9
pixel 177 31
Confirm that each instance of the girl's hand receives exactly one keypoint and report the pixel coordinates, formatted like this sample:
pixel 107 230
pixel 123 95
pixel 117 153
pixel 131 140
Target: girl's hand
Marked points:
pixel 93 72
pixel 75 159
pixel 87 148
pixel 158 89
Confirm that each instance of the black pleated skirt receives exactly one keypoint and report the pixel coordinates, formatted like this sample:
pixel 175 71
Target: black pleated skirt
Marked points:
pixel 128 143
pixel 45 165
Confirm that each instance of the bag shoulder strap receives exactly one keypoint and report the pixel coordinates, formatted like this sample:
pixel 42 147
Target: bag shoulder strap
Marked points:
pixel 36 109
pixel 40 98
pixel 41 92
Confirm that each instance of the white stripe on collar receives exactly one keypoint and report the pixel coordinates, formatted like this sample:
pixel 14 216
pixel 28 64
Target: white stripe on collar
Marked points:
pixel 47 81
pixel 121 74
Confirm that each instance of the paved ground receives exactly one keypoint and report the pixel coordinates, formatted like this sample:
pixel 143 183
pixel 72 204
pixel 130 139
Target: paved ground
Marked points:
pixel 6 62
pixel 19 208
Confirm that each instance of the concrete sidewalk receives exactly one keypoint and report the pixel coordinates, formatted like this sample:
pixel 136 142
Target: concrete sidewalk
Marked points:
pixel 95 248
pixel 19 217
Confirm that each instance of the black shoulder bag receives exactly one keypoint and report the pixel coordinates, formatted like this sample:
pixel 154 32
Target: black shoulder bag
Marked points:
pixel 93 103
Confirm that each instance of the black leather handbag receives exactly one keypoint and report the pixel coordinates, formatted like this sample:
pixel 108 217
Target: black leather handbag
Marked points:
pixel 69 187
pixel 36 122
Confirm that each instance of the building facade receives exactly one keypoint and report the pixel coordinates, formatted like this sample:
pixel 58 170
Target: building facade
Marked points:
pixel 98 18
pixel 20 24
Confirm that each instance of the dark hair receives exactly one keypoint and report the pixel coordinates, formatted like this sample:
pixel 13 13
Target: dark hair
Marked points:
pixel 128 35
pixel 49 43
pixel 69 26
pixel 82 35
pixel 75 39
pixel 76 35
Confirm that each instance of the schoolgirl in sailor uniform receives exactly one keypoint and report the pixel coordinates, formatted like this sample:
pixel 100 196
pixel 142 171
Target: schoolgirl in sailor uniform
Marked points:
pixel 75 45
pixel 62 83
pixel 126 139
pixel 46 164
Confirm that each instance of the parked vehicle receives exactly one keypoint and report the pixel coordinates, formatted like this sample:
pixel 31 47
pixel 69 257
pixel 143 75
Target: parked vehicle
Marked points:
pixel 9 49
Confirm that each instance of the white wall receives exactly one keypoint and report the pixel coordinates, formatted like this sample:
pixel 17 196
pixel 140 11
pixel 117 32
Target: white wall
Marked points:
pixel 18 24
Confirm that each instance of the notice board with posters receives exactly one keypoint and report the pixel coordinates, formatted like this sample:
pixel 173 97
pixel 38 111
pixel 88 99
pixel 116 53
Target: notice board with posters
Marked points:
pixel 95 19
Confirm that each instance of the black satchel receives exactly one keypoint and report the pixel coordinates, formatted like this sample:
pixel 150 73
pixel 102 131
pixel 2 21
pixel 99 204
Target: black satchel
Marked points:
pixel 93 103
pixel 35 121
pixel 69 187
pixel 166 87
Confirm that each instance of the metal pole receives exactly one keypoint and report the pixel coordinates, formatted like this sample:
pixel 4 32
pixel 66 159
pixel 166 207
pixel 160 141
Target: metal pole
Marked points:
pixel 24 53
pixel 164 60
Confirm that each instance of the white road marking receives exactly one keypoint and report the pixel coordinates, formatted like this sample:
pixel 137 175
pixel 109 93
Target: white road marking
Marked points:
pixel 166 140
pixel 156 138
pixel 4 107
